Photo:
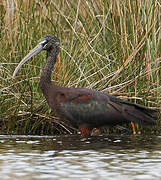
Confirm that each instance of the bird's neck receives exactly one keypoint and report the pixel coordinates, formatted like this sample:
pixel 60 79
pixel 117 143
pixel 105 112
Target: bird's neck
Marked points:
pixel 45 78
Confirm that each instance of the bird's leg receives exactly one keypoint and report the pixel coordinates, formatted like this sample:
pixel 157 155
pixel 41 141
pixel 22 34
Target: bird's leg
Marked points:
pixel 95 132
pixel 133 127
pixel 85 131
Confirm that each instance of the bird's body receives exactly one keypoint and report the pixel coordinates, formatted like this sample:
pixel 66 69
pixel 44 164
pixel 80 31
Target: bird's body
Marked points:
pixel 84 108
pixel 87 109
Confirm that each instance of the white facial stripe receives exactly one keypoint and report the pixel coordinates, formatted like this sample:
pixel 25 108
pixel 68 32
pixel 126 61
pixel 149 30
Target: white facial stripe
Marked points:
pixel 43 42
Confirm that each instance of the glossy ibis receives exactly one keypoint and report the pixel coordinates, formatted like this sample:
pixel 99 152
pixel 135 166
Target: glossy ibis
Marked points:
pixel 84 108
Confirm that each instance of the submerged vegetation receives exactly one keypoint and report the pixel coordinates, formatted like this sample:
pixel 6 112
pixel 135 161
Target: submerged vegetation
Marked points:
pixel 111 46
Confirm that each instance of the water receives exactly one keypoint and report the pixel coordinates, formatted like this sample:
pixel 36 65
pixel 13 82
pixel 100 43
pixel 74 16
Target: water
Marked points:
pixel 73 157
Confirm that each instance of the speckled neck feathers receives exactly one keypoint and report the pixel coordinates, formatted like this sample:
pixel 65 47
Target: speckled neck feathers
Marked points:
pixel 51 57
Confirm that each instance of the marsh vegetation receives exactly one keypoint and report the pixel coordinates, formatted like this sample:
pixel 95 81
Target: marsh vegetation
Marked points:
pixel 111 46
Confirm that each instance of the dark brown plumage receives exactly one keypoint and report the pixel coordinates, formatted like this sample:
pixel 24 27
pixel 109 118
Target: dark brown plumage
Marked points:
pixel 84 108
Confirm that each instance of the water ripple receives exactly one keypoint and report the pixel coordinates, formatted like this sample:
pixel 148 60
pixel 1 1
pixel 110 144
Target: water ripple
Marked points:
pixel 71 157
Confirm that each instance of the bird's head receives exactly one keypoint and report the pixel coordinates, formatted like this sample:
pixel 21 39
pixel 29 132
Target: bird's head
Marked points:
pixel 50 43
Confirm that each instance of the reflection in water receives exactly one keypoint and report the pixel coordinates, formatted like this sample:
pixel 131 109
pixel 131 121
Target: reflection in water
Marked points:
pixel 71 157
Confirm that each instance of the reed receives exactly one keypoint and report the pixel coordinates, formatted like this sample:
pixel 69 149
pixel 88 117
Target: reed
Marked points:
pixel 111 46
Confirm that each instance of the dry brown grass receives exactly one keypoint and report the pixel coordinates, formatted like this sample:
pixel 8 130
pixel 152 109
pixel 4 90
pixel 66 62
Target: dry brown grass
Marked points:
pixel 112 46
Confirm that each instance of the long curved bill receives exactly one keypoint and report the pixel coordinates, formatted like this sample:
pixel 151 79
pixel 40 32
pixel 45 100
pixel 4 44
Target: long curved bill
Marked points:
pixel 33 52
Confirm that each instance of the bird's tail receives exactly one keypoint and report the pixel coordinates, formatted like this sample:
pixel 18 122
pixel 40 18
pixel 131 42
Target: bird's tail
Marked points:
pixel 141 114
